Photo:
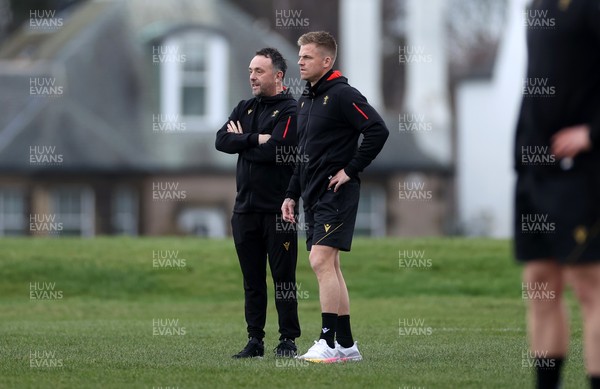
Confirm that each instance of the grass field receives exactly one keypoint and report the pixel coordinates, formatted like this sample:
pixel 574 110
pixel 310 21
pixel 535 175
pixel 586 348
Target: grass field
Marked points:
pixel 104 316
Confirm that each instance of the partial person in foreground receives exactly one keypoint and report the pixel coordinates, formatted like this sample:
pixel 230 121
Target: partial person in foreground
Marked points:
pixel 557 200
pixel 255 130
pixel 331 117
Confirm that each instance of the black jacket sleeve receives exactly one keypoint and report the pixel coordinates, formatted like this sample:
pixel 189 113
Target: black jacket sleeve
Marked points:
pixel 293 190
pixel 284 134
pixel 364 118
pixel 231 143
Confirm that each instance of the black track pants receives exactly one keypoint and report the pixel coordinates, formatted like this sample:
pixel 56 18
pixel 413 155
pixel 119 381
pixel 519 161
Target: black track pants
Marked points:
pixel 258 236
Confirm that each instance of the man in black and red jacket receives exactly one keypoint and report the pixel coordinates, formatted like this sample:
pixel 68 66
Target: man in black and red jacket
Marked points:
pixel 262 131
pixel 331 117
pixel 557 203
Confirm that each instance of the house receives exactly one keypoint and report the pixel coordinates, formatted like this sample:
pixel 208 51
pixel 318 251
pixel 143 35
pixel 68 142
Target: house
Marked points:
pixel 108 117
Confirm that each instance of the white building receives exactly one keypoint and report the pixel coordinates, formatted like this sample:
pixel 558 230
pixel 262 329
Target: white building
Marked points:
pixel 487 111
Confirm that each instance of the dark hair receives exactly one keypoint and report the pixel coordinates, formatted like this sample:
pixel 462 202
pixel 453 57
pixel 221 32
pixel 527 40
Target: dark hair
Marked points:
pixel 322 39
pixel 276 58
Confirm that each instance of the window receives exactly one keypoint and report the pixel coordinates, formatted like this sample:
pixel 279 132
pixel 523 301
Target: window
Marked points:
pixel 370 219
pixel 12 212
pixel 74 208
pixel 206 222
pixel 125 211
pixel 194 81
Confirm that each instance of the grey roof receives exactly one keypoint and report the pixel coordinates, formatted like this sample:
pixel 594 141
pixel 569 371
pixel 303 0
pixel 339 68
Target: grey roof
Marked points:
pixel 401 152
pixel 85 141
pixel 101 121
pixel 94 121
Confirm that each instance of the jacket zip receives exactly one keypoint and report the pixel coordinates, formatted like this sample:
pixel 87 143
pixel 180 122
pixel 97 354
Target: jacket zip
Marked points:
pixel 250 180
pixel 306 132
pixel 249 162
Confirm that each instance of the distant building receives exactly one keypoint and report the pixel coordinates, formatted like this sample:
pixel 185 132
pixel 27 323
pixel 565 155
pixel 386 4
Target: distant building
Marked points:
pixel 487 108
pixel 108 115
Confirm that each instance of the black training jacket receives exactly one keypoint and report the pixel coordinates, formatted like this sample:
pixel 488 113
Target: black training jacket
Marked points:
pixel 562 88
pixel 331 117
pixel 262 176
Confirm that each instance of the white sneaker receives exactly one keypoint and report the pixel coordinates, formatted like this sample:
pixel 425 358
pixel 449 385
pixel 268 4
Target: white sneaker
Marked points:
pixel 348 354
pixel 320 352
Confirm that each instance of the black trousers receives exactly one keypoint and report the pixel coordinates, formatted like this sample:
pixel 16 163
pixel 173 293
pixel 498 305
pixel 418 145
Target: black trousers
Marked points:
pixel 258 236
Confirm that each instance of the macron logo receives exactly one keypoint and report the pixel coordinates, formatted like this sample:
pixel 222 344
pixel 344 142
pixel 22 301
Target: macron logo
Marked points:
pixel 325 330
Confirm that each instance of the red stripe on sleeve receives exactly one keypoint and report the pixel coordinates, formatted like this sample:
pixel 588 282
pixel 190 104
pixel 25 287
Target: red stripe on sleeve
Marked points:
pixel 286 127
pixel 359 110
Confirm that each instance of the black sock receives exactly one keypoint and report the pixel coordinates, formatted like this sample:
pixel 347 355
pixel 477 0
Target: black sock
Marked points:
pixel 548 372
pixel 595 382
pixel 328 328
pixel 344 333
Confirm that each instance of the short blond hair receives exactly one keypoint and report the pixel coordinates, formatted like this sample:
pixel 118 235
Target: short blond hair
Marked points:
pixel 321 39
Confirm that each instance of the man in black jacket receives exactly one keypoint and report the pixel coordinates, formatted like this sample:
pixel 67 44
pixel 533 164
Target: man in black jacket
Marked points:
pixel 557 203
pixel 331 117
pixel 260 130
